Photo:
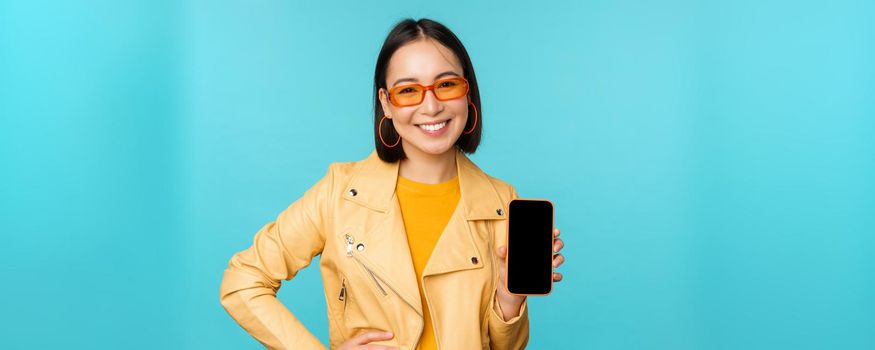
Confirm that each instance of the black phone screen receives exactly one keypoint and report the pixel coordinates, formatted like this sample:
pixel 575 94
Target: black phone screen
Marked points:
pixel 530 246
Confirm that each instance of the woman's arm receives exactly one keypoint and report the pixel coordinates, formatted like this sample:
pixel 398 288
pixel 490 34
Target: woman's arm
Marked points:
pixel 508 319
pixel 511 333
pixel 280 249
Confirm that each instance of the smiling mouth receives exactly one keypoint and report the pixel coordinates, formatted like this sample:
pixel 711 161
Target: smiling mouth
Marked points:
pixel 433 126
pixel 433 123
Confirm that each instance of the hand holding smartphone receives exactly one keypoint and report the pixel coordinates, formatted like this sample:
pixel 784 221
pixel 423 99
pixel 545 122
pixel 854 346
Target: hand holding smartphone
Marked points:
pixel 530 247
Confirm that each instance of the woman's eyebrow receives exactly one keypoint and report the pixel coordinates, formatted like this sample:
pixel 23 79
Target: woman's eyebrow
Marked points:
pixel 436 77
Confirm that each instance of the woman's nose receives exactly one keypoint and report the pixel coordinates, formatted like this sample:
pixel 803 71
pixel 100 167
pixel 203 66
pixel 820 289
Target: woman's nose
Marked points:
pixel 430 104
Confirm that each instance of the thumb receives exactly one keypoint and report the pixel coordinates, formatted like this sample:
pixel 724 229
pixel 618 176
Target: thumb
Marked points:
pixel 501 252
pixel 373 336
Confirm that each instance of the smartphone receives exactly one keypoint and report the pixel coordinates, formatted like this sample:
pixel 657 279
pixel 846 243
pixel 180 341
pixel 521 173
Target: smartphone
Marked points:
pixel 530 246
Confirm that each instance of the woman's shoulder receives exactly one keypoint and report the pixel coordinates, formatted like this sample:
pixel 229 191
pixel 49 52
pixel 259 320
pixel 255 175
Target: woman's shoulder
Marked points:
pixel 499 183
pixel 346 169
pixel 340 173
pixel 342 169
pixel 505 190
pixel 479 177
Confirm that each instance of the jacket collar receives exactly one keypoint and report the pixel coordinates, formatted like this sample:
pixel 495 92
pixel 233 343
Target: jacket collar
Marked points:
pixel 373 186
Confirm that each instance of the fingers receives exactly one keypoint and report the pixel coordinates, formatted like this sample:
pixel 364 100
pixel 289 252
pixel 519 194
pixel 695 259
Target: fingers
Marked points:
pixel 378 347
pixel 557 245
pixel 558 259
pixel 372 336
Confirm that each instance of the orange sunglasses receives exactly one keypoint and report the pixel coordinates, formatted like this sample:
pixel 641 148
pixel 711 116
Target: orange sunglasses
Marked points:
pixel 413 94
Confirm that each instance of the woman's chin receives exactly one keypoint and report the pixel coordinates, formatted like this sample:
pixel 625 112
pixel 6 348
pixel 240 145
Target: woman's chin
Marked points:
pixel 434 148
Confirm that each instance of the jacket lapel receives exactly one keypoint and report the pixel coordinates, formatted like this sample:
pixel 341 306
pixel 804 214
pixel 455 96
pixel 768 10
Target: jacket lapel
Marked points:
pixel 456 249
pixel 373 186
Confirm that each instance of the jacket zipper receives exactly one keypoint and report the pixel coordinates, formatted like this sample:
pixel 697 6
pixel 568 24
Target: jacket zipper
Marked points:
pixel 374 277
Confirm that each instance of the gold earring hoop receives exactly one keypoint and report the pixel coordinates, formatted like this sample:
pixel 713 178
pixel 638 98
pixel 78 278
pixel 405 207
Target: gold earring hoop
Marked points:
pixel 380 132
pixel 475 119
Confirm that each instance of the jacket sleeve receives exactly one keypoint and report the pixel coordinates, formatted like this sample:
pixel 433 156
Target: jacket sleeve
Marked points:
pixel 279 250
pixel 512 333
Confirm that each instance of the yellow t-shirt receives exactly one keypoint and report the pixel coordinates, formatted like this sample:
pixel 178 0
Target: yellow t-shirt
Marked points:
pixel 426 209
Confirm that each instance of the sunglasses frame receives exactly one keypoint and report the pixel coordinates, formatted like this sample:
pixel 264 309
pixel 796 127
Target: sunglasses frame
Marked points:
pixel 425 88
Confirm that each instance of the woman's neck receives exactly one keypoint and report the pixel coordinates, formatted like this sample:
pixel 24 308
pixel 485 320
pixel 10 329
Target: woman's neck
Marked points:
pixel 429 168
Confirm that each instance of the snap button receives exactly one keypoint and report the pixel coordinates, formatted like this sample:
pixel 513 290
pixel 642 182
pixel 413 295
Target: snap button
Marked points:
pixel 474 260
pixel 353 192
pixel 360 247
pixel 499 211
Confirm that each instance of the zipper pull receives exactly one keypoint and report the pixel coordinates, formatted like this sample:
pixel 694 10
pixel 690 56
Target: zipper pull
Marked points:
pixel 342 290
pixel 348 245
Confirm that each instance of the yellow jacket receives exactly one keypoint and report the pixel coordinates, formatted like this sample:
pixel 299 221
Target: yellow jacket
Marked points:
pixel 352 217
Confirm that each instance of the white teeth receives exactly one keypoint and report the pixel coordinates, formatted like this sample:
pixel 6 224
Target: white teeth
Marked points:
pixel 433 127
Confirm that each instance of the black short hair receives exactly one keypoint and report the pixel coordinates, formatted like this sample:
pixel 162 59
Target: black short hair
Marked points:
pixel 408 30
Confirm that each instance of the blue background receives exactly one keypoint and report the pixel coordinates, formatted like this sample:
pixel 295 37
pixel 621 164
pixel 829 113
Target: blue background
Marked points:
pixel 712 162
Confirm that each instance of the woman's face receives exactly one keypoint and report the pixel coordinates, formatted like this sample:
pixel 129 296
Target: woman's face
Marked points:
pixel 424 62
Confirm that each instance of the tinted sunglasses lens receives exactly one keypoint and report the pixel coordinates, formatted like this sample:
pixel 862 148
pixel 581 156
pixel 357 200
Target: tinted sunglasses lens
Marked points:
pixel 406 95
pixel 450 88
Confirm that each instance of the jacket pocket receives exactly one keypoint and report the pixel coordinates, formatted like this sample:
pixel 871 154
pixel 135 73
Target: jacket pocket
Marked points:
pixel 337 311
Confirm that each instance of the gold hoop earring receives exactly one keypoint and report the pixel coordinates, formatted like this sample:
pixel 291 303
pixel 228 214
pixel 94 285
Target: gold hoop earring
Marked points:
pixel 475 119
pixel 380 132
